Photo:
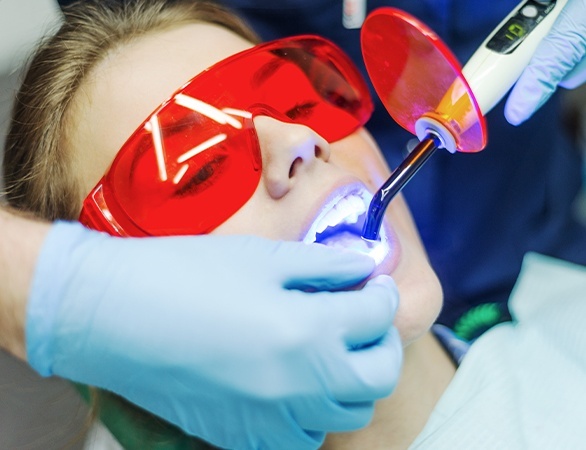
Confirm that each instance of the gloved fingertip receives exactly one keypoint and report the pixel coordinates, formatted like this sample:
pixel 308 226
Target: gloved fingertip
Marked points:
pixel 513 116
pixel 389 286
pixel 528 95
pixel 519 105
pixel 519 109
pixel 384 280
pixel 363 414
pixel 352 260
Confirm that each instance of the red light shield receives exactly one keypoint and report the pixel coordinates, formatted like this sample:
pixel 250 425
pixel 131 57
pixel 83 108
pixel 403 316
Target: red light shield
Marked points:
pixel 415 74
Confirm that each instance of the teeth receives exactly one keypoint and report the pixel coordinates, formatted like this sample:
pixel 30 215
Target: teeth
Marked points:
pixel 352 218
pixel 336 215
pixel 321 226
pixel 346 210
pixel 357 204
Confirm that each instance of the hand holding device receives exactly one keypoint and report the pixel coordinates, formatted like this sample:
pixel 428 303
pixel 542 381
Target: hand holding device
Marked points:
pixel 218 334
pixel 560 59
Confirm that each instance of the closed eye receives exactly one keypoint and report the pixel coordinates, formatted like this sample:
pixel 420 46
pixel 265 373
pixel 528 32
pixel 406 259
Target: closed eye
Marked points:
pixel 301 110
pixel 202 178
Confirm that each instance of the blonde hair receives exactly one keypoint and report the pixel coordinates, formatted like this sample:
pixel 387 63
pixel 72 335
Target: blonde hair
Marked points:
pixel 37 168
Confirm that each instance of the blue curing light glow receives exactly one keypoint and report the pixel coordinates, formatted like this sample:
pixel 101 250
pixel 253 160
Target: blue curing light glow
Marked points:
pixel 340 223
pixel 377 250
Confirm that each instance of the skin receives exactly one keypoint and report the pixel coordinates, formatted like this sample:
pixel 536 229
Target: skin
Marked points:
pixel 18 258
pixel 300 172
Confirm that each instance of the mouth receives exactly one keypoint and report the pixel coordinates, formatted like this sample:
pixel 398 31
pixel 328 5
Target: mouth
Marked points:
pixel 340 222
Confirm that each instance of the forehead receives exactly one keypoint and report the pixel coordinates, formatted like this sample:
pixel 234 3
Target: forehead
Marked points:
pixel 125 87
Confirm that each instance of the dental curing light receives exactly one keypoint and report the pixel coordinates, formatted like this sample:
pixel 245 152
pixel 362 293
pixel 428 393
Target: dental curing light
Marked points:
pixel 422 86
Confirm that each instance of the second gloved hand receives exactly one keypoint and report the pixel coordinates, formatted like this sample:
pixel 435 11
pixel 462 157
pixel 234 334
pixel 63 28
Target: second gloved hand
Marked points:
pixel 218 335
pixel 560 59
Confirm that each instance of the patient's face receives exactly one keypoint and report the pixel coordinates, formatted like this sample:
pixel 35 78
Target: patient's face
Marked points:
pixel 302 173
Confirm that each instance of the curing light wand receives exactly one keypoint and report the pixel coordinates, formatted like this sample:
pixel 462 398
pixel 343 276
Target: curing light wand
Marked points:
pixel 398 179
pixel 446 105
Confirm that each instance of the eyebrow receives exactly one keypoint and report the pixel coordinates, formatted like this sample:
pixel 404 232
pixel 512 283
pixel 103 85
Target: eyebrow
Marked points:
pixel 206 109
pixel 266 71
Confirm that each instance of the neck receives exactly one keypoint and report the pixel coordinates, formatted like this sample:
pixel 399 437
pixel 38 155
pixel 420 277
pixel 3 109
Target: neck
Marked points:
pixel 398 419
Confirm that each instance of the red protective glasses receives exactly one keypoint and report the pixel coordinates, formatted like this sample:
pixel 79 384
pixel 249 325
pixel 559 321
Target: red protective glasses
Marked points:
pixel 196 159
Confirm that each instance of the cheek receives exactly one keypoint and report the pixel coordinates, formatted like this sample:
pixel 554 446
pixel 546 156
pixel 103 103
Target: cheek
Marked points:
pixel 244 221
pixel 359 155
pixel 262 217
pixel 420 292
pixel 420 302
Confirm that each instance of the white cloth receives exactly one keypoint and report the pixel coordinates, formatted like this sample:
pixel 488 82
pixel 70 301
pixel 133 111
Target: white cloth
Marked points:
pixel 100 438
pixel 522 385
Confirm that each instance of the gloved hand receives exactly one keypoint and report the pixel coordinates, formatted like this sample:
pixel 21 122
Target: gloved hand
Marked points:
pixel 213 333
pixel 558 60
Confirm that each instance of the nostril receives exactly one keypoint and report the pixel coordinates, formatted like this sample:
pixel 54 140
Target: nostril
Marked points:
pixel 318 151
pixel 322 151
pixel 294 166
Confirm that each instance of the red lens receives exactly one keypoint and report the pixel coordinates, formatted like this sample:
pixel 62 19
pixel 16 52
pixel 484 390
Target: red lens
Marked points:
pixel 197 160
pixel 182 192
pixel 415 75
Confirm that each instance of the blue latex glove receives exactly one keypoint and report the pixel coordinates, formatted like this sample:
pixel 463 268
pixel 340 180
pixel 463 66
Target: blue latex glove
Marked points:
pixel 211 333
pixel 558 60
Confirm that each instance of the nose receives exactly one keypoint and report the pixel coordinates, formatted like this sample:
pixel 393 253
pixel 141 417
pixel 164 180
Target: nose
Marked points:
pixel 288 151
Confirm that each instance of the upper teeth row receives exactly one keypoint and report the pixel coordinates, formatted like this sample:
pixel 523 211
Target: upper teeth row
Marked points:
pixel 346 210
